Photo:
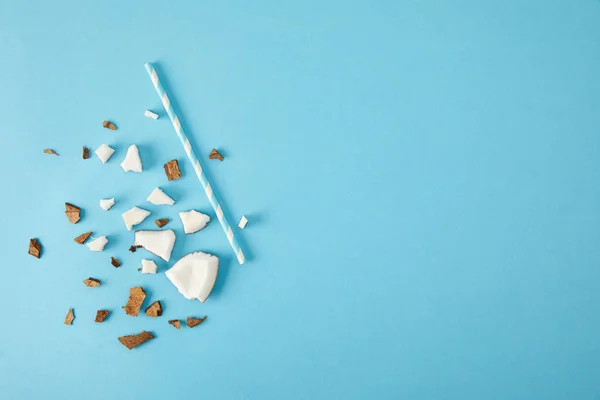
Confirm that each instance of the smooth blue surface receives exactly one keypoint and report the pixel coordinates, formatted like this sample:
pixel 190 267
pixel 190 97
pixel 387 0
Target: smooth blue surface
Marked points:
pixel 422 181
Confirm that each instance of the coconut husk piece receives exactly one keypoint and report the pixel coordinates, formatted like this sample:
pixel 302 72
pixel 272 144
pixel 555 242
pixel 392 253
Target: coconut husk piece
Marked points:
pixel 73 213
pixel 86 153
pixel 172 170
pixel 175 322
pixel 70 317
pixel 215 155
pixel 133 249
pixel 132 341
pixel 162 222
pixel 101 315
pixel 134 303
pixel 192 322
pixel 50 151
pixel 81 239
pixel 109 125
pixel 35 248
pixel 154 310
pixel 115 263
pixel 92 282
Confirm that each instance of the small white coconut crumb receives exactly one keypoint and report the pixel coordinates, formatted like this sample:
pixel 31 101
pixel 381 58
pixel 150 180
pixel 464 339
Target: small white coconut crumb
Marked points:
pixel 193 221
pixel 97 244
pixel 106 204
pixel 134 216
pixel 159 197
pixel 132 161
pixel 243 222
pixel 159 243
pixel 104 152
pixel 150 114
pixel 149 267
pixel 194 275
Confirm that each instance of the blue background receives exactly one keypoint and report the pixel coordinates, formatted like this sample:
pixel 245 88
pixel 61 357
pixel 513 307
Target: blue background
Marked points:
pixel 421 180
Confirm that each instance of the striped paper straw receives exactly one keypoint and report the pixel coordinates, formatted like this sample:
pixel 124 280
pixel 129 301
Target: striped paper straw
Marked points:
pixel 195 162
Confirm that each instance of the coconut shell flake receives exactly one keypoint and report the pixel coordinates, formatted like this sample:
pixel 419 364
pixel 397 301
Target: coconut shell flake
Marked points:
pixel 70 317
pixel 172 170
pixel 50 151
pixel 175 322
pixel 109 125
pixel 154 310
pixel 162 222
pixel 86 153
pixel 115 263
pixel 73 213
pixel 192 322
pixel 134 303
pixel 215 155
pixel 35 248
pixel 92 282
pixel 132 341
pixel 101 315
pixel 83 237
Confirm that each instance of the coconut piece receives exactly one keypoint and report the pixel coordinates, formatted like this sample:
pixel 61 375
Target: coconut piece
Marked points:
pixel 50 151
pixel 154 310
pixel 215 155
pixel 194 275
pixel 150 114
pixel 132 341
pixel 134 216
pixel 134 303
pixel 106 204
pixel 104 152
pixel 159 198
pixel 133 249
pixel 132 161
pixel 70 317
pixel 159 243
pixel 172 170
pixel 192 322
pixel 73 213
pixel 243 222
pixel 193 221
pixel 83 237
pixel 149 267
pixel 115 263
pixel 162 222
pixel 92 282
pixel 109 125
pixel 85 153
pixel 101 315
pixel 98 244
pixel 35 248
pixel 175 322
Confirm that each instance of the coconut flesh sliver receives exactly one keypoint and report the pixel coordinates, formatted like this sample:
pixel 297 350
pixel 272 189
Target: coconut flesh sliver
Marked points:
pixel 194 275
pixel 159 243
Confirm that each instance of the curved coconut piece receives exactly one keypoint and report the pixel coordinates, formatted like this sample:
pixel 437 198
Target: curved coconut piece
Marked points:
pixel 132 161
pixel 160 198
pixel 106 204
pixel 134 216
pixel 104 152
pixel 194 275
pixel 193 221
pixel 97 244
pixel 159 243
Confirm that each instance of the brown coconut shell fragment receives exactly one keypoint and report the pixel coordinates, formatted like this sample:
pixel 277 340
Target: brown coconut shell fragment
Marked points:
pixel 92 282
pixel 35 248
pixel 50 151
pixel 81 239
pixel 132 341
pixel 109 125
pixel 101 315
pixel 215 155
pixel 73 213
pixel 85 153
pixel 175 322
pixel 162 222
pixel 192 322
pixel 154 310
pixel 115 263
pixel 134 303
pixel 172 170
pixel 70 317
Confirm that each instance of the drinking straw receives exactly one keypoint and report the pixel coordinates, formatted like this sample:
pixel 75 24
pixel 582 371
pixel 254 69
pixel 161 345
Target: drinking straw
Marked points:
pixel 162 94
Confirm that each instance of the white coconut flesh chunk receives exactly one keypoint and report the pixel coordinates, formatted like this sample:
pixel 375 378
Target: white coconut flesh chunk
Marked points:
pixel 132 161
pixel 160 198
pixel 149 267
pixel 243 222
pixel 194 275
pixel 159 243
pixel 106 204
pixel 151 114
pixel 97 244
pixel 134 216
pixel 193 221
pixel 104 152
